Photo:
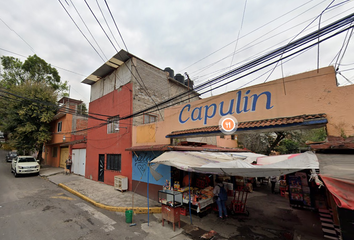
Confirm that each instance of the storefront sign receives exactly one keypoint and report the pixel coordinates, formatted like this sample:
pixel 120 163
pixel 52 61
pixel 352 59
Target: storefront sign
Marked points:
pixel 243 103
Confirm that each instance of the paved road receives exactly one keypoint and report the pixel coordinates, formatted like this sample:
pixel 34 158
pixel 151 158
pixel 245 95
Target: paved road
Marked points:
pixel 34 208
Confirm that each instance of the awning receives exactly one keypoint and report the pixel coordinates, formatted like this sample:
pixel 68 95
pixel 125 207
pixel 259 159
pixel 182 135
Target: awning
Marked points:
pixel 337 172
pixel 235 164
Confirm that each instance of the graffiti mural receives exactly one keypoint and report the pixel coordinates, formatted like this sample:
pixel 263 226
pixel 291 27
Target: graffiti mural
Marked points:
pixel 140 167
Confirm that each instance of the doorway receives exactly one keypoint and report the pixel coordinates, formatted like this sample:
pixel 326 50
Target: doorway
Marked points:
pixel 101 167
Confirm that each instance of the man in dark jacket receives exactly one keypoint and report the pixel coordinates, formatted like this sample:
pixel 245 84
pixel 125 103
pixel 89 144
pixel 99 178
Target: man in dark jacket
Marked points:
pixel 220 194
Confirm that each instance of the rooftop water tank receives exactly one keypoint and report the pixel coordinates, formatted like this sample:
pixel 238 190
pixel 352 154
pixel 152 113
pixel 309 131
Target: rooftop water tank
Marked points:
pixel 170 71
pixel 180 78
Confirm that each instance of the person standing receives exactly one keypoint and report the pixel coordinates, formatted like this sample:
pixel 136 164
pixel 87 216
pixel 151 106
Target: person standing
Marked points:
pixel 220 195
pixel 273 180
pixel 68 163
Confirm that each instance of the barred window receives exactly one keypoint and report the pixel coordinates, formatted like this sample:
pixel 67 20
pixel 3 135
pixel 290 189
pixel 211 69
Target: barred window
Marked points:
pixel 113 125
pixel 114 162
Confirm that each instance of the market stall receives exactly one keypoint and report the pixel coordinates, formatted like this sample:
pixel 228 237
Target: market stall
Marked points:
pixel 197 164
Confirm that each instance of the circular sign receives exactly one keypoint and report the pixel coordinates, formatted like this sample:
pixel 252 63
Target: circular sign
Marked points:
pixel 228 124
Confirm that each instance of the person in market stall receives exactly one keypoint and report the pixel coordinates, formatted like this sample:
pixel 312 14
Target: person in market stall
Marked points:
pixel 273 180
pixel 220 196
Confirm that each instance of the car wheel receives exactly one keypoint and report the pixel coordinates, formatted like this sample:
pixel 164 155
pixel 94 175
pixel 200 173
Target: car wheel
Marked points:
pixel 15 173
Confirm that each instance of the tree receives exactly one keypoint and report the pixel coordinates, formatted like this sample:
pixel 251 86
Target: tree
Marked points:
pixel 284 142
pixel 263 143
pixel 28 97
pixel 287 146
pixel 34 69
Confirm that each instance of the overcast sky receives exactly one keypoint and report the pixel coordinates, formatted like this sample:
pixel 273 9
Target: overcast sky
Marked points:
pixel 202 38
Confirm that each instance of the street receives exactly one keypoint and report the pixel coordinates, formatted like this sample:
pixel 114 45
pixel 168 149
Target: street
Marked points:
pixel 31 207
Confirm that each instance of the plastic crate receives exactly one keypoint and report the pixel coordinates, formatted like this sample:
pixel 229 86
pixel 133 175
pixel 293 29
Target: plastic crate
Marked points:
pixel 183 211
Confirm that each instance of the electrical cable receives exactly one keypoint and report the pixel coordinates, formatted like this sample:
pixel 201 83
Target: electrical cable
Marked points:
pixel 81 31
pixel 264 25
pixel 101 26
pixel 280 51
pixel 116 25
pixel 88 29
pixel 18 35
pixel 107 24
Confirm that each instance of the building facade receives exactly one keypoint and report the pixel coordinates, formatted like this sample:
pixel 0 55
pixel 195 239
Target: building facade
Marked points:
pixel 121 91
pixel 68 132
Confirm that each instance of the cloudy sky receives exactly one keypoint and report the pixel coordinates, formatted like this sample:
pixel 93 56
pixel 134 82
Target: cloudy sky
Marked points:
pixel 202 38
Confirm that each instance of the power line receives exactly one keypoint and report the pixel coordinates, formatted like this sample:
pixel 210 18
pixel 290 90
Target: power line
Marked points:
pixel 88 29
pixel 101 26
pixel 18 35
pixel 264 25
pixel 275 53
pixel 116 25
pixel 107 24
pixel 81 31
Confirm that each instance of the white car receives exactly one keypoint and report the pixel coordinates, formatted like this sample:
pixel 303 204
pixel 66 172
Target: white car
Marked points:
pixel 25 165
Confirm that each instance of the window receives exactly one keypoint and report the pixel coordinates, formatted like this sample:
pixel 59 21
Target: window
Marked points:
pixel 59 126
pixel 222 136
pixel 54 152
pixel 232 137
pixel 149 118
pixel 113 162
pixel 113 125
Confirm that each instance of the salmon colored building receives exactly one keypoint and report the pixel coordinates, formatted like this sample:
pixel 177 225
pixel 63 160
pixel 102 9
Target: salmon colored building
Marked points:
pixel 306 100
pixel 68 133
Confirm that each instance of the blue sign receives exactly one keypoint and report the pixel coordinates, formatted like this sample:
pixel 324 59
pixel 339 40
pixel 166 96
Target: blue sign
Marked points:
pixel 241 104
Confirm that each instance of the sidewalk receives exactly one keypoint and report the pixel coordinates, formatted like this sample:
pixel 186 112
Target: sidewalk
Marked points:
pixel 100 194
pixel 270 217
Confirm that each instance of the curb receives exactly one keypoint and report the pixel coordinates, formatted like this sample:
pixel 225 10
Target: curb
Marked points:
pixel 138 210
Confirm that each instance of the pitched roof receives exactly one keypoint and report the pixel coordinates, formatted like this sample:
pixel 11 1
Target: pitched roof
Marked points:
pixel 266 125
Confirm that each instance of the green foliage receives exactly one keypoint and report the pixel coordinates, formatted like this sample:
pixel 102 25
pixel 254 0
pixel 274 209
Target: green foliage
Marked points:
pixel 314 135
pixel 26 120
pixel 282 142
pixel 287 146
pixel 28 97
pixel 82 109
pixel 34 69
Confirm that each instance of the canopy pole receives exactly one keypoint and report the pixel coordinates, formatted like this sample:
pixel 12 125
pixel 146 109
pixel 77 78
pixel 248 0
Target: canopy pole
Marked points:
pixel 148 175
pixel 190 210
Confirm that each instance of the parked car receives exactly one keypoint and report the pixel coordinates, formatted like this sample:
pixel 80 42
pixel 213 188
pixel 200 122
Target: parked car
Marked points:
pixel 10 156
pixel 25 165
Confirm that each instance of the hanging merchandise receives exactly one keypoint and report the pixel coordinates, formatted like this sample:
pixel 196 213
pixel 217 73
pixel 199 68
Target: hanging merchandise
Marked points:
pixel 301 191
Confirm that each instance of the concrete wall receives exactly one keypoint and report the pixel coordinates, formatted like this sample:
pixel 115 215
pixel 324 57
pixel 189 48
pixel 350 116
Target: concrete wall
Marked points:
pixel 159 86
pixel 307 93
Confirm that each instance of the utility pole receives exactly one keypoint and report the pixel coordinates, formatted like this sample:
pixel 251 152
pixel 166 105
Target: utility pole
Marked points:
pixel 188 79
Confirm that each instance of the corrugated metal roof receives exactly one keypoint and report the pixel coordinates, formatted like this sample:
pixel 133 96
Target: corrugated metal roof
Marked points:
pixel 107 68
pixel 265 125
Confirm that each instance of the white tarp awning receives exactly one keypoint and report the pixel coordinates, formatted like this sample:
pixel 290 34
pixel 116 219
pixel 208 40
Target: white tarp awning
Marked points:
pixel 236 164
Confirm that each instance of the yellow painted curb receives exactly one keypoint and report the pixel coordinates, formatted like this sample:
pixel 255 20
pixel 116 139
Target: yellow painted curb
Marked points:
pixel 139 210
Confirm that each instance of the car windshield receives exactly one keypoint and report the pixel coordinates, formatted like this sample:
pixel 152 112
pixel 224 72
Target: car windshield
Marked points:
pixel 26 160
pixel 13 154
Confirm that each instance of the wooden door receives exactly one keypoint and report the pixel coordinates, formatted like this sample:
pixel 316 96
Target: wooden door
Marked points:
pixel 64 154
